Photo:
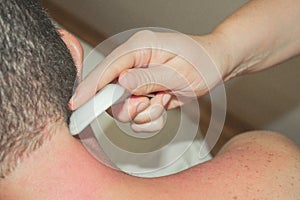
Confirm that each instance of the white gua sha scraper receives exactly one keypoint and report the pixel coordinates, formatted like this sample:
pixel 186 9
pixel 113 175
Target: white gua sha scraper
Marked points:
pixel 105 98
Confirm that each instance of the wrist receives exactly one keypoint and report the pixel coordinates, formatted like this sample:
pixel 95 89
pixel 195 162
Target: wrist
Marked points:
pixel 218 48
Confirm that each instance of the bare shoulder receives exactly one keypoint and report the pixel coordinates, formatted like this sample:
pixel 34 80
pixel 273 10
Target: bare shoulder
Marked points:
pixel 253 165
pixel 256 165
pixel 267 140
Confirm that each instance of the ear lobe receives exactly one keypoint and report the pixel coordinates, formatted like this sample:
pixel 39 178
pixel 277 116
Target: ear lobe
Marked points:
pixel 75 48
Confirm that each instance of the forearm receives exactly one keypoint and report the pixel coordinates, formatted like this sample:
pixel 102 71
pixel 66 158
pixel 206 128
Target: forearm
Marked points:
pixel 257 36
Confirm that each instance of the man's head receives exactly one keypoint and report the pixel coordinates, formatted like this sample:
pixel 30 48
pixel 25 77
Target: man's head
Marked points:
pixel 37 74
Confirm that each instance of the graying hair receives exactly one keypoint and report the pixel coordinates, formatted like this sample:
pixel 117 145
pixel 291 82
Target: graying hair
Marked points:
pixel 36 80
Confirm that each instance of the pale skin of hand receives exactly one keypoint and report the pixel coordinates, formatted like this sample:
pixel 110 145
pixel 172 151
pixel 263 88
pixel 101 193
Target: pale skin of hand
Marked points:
pixel 259 35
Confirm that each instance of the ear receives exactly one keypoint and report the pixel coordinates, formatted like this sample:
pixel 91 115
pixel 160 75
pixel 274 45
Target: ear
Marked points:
pixel 75 48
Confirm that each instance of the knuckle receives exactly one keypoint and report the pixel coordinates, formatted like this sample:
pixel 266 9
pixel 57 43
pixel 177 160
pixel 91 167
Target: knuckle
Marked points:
pixel 143 34
pixel 142 57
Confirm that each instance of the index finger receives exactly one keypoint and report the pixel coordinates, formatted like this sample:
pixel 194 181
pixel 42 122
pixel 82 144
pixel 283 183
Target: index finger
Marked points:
pixel 105 72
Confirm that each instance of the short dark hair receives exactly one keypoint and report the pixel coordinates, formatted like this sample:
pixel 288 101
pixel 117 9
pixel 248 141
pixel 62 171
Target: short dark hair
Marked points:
pixel 37 75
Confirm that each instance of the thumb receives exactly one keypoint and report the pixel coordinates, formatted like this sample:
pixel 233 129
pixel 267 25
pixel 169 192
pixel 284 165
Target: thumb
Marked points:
pixel 142 81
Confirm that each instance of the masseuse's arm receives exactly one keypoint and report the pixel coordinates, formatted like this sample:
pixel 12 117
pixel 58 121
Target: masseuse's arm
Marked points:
pixel 257 36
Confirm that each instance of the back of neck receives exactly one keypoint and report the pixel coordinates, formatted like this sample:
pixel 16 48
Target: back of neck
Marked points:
pixel 60 169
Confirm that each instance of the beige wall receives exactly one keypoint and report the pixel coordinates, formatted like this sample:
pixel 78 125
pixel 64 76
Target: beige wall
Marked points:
pixel 268 100
pixel 189 16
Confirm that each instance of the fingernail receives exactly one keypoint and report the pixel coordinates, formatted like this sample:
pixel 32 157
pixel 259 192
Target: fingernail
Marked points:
pixel 70 106
pixel 141 107
pixel 166 98
pixel 128 81
pixel 72 101
pixel 136 128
